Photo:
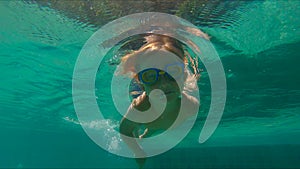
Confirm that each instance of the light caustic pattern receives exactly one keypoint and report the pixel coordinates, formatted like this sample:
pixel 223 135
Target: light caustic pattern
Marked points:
pixel 107 37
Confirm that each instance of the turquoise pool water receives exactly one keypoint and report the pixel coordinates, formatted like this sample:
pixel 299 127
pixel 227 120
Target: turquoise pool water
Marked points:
pixel 258 43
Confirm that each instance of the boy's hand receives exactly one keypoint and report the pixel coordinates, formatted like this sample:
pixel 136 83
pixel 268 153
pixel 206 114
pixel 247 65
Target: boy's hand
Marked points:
pixel 141 103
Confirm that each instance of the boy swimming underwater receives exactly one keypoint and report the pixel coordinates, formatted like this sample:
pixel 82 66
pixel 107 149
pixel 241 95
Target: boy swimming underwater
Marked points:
pixel 147 114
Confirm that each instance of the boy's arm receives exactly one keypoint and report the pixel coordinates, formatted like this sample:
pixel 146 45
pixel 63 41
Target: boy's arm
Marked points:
pixel 127 127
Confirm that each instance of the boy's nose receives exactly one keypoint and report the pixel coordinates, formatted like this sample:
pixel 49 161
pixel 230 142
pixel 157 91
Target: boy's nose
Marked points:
pixel 162 82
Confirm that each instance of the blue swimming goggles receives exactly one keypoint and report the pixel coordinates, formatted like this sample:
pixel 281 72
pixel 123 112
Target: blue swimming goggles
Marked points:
pixel 150 76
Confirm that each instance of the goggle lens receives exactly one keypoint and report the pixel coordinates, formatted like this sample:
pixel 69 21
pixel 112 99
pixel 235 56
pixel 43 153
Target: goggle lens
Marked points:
pixel 149 76
pixel 175 71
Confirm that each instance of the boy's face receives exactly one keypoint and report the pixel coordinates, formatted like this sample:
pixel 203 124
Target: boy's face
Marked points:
pixel 163 65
